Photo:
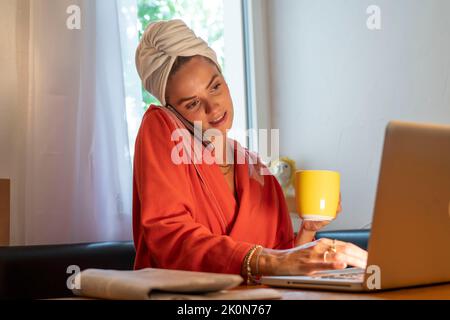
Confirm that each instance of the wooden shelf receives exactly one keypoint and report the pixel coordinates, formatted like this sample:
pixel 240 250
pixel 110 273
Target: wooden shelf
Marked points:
pixel 4 211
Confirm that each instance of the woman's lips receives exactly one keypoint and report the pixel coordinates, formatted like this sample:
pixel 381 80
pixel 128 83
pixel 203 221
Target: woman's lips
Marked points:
pixel 220 121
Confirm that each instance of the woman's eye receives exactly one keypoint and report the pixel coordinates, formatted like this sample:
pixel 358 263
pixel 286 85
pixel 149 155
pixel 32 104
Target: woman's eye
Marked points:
pixel 192 105
pixel 216 87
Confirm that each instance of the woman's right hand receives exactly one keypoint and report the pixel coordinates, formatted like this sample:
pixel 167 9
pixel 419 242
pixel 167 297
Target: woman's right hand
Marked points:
pixel 311 257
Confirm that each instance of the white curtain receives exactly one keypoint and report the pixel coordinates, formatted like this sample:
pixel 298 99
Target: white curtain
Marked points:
pixel 71 168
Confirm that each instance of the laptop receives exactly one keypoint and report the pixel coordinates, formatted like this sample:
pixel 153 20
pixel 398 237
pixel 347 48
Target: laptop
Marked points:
pixel 409 243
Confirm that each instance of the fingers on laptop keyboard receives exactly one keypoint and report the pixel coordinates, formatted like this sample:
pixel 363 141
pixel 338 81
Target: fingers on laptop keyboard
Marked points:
pixel 351 250
pixel 346 247
pixel 350 260
pixel 340 260
pixel 347 253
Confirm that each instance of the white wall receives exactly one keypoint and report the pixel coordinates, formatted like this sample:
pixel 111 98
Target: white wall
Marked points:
pixel 335 84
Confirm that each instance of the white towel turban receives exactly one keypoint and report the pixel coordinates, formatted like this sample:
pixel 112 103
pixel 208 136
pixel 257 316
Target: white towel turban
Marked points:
pixel 161 44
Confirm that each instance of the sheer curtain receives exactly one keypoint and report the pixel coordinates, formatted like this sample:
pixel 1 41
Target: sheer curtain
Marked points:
pixel 71 165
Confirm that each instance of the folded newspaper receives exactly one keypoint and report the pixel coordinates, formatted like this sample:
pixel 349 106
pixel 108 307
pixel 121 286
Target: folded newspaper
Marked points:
pixel 162 284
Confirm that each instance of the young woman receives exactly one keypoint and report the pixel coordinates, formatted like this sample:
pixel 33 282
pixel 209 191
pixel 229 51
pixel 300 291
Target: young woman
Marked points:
pixel 213 216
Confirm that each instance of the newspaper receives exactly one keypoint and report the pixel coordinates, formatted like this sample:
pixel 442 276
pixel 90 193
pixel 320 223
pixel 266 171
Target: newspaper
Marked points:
pixel 162 284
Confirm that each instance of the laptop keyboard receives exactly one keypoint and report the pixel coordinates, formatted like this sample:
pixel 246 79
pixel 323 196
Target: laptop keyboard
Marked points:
pixel 359 277
pixel 349 274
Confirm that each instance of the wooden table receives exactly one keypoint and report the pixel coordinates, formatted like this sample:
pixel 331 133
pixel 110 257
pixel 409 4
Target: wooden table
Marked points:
pixel 435 292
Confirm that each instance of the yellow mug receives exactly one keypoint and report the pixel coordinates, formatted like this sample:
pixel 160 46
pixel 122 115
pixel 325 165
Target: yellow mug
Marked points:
pixel 317 194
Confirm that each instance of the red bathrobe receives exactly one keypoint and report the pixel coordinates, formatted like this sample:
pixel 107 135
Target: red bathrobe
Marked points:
pixel 185 217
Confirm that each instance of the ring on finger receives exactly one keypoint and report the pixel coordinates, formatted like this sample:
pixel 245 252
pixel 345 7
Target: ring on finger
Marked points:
pixel 325 254
pixel 333 246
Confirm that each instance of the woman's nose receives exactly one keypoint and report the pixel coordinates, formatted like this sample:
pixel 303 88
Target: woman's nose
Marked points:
pixel 211 106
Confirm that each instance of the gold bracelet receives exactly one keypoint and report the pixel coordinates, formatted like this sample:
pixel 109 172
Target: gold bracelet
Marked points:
pixel 248 258
pixel 257 263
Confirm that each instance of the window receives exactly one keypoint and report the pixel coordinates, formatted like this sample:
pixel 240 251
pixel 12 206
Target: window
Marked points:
pixel 218 22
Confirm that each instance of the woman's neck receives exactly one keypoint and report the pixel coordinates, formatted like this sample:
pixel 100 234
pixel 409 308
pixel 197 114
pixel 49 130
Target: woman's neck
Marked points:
pixel 225 157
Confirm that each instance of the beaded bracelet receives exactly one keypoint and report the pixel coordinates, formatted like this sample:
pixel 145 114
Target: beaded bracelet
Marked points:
pixel 247 260
pixel 257 263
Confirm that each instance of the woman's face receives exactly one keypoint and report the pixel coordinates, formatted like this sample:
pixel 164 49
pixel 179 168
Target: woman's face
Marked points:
pixel 199 92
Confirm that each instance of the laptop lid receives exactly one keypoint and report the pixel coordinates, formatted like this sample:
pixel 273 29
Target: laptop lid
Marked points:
pixel 410 237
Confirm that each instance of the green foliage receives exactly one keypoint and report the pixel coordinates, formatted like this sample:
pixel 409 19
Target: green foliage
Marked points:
pixel 205 17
